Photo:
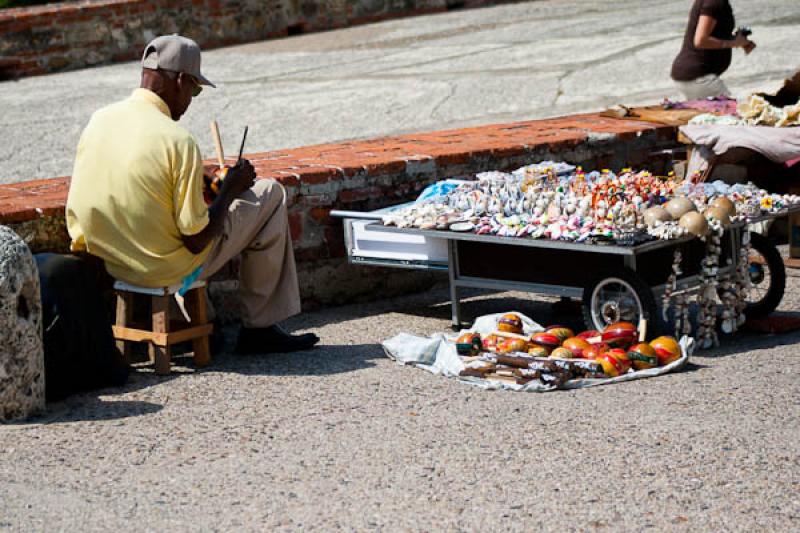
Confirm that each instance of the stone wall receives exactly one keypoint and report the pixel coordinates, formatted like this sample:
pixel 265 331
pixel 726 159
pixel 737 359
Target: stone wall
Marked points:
pixel 70 35
pixel 370 174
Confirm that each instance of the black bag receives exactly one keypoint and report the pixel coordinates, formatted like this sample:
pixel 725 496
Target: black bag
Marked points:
pixel 79 349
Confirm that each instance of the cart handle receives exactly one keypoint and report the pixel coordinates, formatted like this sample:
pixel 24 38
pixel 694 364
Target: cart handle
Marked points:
pixel 355 214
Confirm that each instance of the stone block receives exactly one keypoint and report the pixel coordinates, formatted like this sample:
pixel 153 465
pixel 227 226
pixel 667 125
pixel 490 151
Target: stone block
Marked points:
pixel 21 351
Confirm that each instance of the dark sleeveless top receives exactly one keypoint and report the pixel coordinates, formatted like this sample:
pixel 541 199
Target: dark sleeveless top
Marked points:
pixel 692 63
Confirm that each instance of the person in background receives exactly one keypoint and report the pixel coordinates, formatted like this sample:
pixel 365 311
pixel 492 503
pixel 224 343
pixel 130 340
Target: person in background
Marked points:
pixel 706 51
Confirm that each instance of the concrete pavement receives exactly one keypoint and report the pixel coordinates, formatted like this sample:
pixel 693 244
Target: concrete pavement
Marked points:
pixel 341 438
pixel 505 63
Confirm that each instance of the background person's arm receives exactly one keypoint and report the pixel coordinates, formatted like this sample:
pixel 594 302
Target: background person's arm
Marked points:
pixel 238 179
pixel 703 40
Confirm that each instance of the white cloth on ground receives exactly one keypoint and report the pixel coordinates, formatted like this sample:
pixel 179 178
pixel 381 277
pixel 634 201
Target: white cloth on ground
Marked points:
pixel 438 356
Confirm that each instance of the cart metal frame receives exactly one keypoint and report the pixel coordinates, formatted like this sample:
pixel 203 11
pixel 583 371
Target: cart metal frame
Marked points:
pixel 458 280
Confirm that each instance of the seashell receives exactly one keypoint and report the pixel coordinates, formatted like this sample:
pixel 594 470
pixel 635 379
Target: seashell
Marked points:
pixel 462 226
pixel 679 206
pixel 694 223
pixel 719 214
pixel 656 215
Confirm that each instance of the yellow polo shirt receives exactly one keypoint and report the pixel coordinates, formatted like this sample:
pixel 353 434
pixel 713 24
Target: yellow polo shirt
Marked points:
pixel 136 187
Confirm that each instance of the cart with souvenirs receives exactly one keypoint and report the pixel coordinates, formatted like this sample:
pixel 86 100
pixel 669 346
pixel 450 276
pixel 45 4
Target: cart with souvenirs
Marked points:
pixel 632 246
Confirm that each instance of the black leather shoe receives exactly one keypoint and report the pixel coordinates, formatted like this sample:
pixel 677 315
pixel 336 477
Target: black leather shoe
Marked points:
pixel 273 339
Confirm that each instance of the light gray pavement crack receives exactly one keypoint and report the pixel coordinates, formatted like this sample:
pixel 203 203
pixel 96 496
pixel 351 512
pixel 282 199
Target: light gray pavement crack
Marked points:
pixel 444 100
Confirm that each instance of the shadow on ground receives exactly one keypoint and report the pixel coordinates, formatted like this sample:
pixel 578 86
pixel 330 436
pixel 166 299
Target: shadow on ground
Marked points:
pixel 744 342
pixel 88 406
pixel 321 361
pixel 84 407
pixel 436 304
pixel 338 359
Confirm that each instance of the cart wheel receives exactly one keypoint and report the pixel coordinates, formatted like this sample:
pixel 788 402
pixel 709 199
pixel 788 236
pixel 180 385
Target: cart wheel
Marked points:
pixel 767 275
pixel 619 295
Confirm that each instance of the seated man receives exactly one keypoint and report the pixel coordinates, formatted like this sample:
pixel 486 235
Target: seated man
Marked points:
pixel 136 202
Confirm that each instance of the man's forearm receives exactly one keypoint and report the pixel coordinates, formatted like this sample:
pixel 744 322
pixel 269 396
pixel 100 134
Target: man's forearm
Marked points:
pixel 216 221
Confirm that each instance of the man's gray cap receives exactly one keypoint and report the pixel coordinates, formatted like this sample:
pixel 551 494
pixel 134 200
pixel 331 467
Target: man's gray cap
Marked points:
pixel 175 53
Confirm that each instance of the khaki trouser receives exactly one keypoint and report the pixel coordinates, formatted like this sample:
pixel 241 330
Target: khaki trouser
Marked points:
pixel 703 87
pixel 257 227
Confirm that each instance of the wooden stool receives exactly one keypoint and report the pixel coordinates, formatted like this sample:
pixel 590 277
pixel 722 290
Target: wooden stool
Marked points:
pixel 160 336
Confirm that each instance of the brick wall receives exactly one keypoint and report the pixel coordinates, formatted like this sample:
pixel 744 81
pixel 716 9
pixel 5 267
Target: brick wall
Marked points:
pixel 366 175
pixel 72 35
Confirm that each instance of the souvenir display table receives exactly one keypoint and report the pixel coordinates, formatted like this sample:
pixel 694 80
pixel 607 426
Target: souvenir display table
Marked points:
pixel 615 282
pixel 623 243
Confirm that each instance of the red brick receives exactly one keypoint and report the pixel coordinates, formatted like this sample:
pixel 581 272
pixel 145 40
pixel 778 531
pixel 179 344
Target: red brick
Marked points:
pixel 315 175
pixel 385 167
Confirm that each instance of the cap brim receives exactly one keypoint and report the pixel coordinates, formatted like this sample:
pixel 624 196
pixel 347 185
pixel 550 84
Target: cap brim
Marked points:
pixel 205 81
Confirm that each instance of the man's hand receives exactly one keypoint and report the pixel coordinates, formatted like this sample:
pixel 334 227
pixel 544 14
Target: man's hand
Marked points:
pixel 238 179
pixel 749 46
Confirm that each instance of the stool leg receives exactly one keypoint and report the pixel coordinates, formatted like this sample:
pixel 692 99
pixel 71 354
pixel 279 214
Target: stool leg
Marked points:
pixel 124 319
pixel 160 355
pixel 196 306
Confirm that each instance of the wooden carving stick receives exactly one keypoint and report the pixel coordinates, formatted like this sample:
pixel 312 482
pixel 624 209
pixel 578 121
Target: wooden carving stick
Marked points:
pixel 217 143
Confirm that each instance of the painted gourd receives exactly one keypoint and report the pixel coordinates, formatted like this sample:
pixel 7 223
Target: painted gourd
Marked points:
pixel 576 345
pixel 510 323
pixel 642 356
pixel 511 345
pixel 538 351
pixel 620 334
pixel 548 340
pixel 588 334
pixel 667 349
pixel 622 357
pixel 490 342
pixel 561 353
pixel 469 344
pixel 562 332
pixel 612 366
pixel 595 350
